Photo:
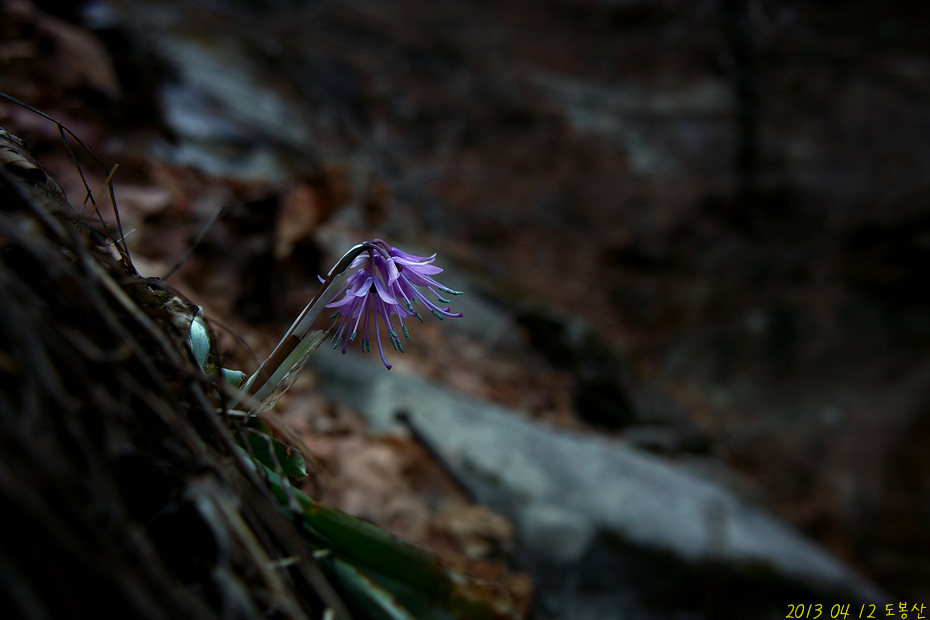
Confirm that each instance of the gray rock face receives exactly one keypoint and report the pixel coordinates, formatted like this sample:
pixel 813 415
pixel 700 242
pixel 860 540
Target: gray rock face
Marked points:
pixel 581 501
pixel 627 115
pixel 230 120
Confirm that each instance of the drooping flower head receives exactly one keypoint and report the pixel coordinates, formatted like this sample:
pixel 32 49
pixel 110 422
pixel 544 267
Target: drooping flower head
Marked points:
pixel 385 288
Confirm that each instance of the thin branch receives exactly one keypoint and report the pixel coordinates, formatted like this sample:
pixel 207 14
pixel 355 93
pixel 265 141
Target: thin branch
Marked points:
pixel 213 218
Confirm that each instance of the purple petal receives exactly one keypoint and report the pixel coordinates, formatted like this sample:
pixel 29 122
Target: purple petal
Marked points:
pixel 421 279
pixel 425 270
pixel 410 257
pixel 392 272
pixel 362 289
pixel 382 292
pixel 342 302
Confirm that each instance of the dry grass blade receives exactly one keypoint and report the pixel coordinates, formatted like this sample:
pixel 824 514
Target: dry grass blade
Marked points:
pixel 62 130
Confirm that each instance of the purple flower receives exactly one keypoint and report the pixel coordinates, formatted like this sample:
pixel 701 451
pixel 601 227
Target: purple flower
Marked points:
pixel 385 286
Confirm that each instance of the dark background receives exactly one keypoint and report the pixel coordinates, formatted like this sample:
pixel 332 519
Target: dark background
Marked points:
pixel 731 198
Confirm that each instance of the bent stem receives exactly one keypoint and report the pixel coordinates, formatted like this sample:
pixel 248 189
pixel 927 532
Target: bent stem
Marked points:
pixel 298 342
pixel 295 346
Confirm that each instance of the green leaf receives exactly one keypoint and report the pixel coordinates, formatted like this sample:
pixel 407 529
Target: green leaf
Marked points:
pixel 376 602
pixel 233 378
pixel 428 586
pixel 289 459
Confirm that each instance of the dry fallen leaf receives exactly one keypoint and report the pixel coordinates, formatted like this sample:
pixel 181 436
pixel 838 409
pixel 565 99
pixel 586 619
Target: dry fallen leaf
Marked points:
pixel 142 199
pixel 77 56
pixel 299 214
pixel 475 530
pixel 370 484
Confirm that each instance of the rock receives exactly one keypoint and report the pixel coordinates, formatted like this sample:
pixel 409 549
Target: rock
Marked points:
pixel 622 114
pixel 582 501
pixel 229 118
